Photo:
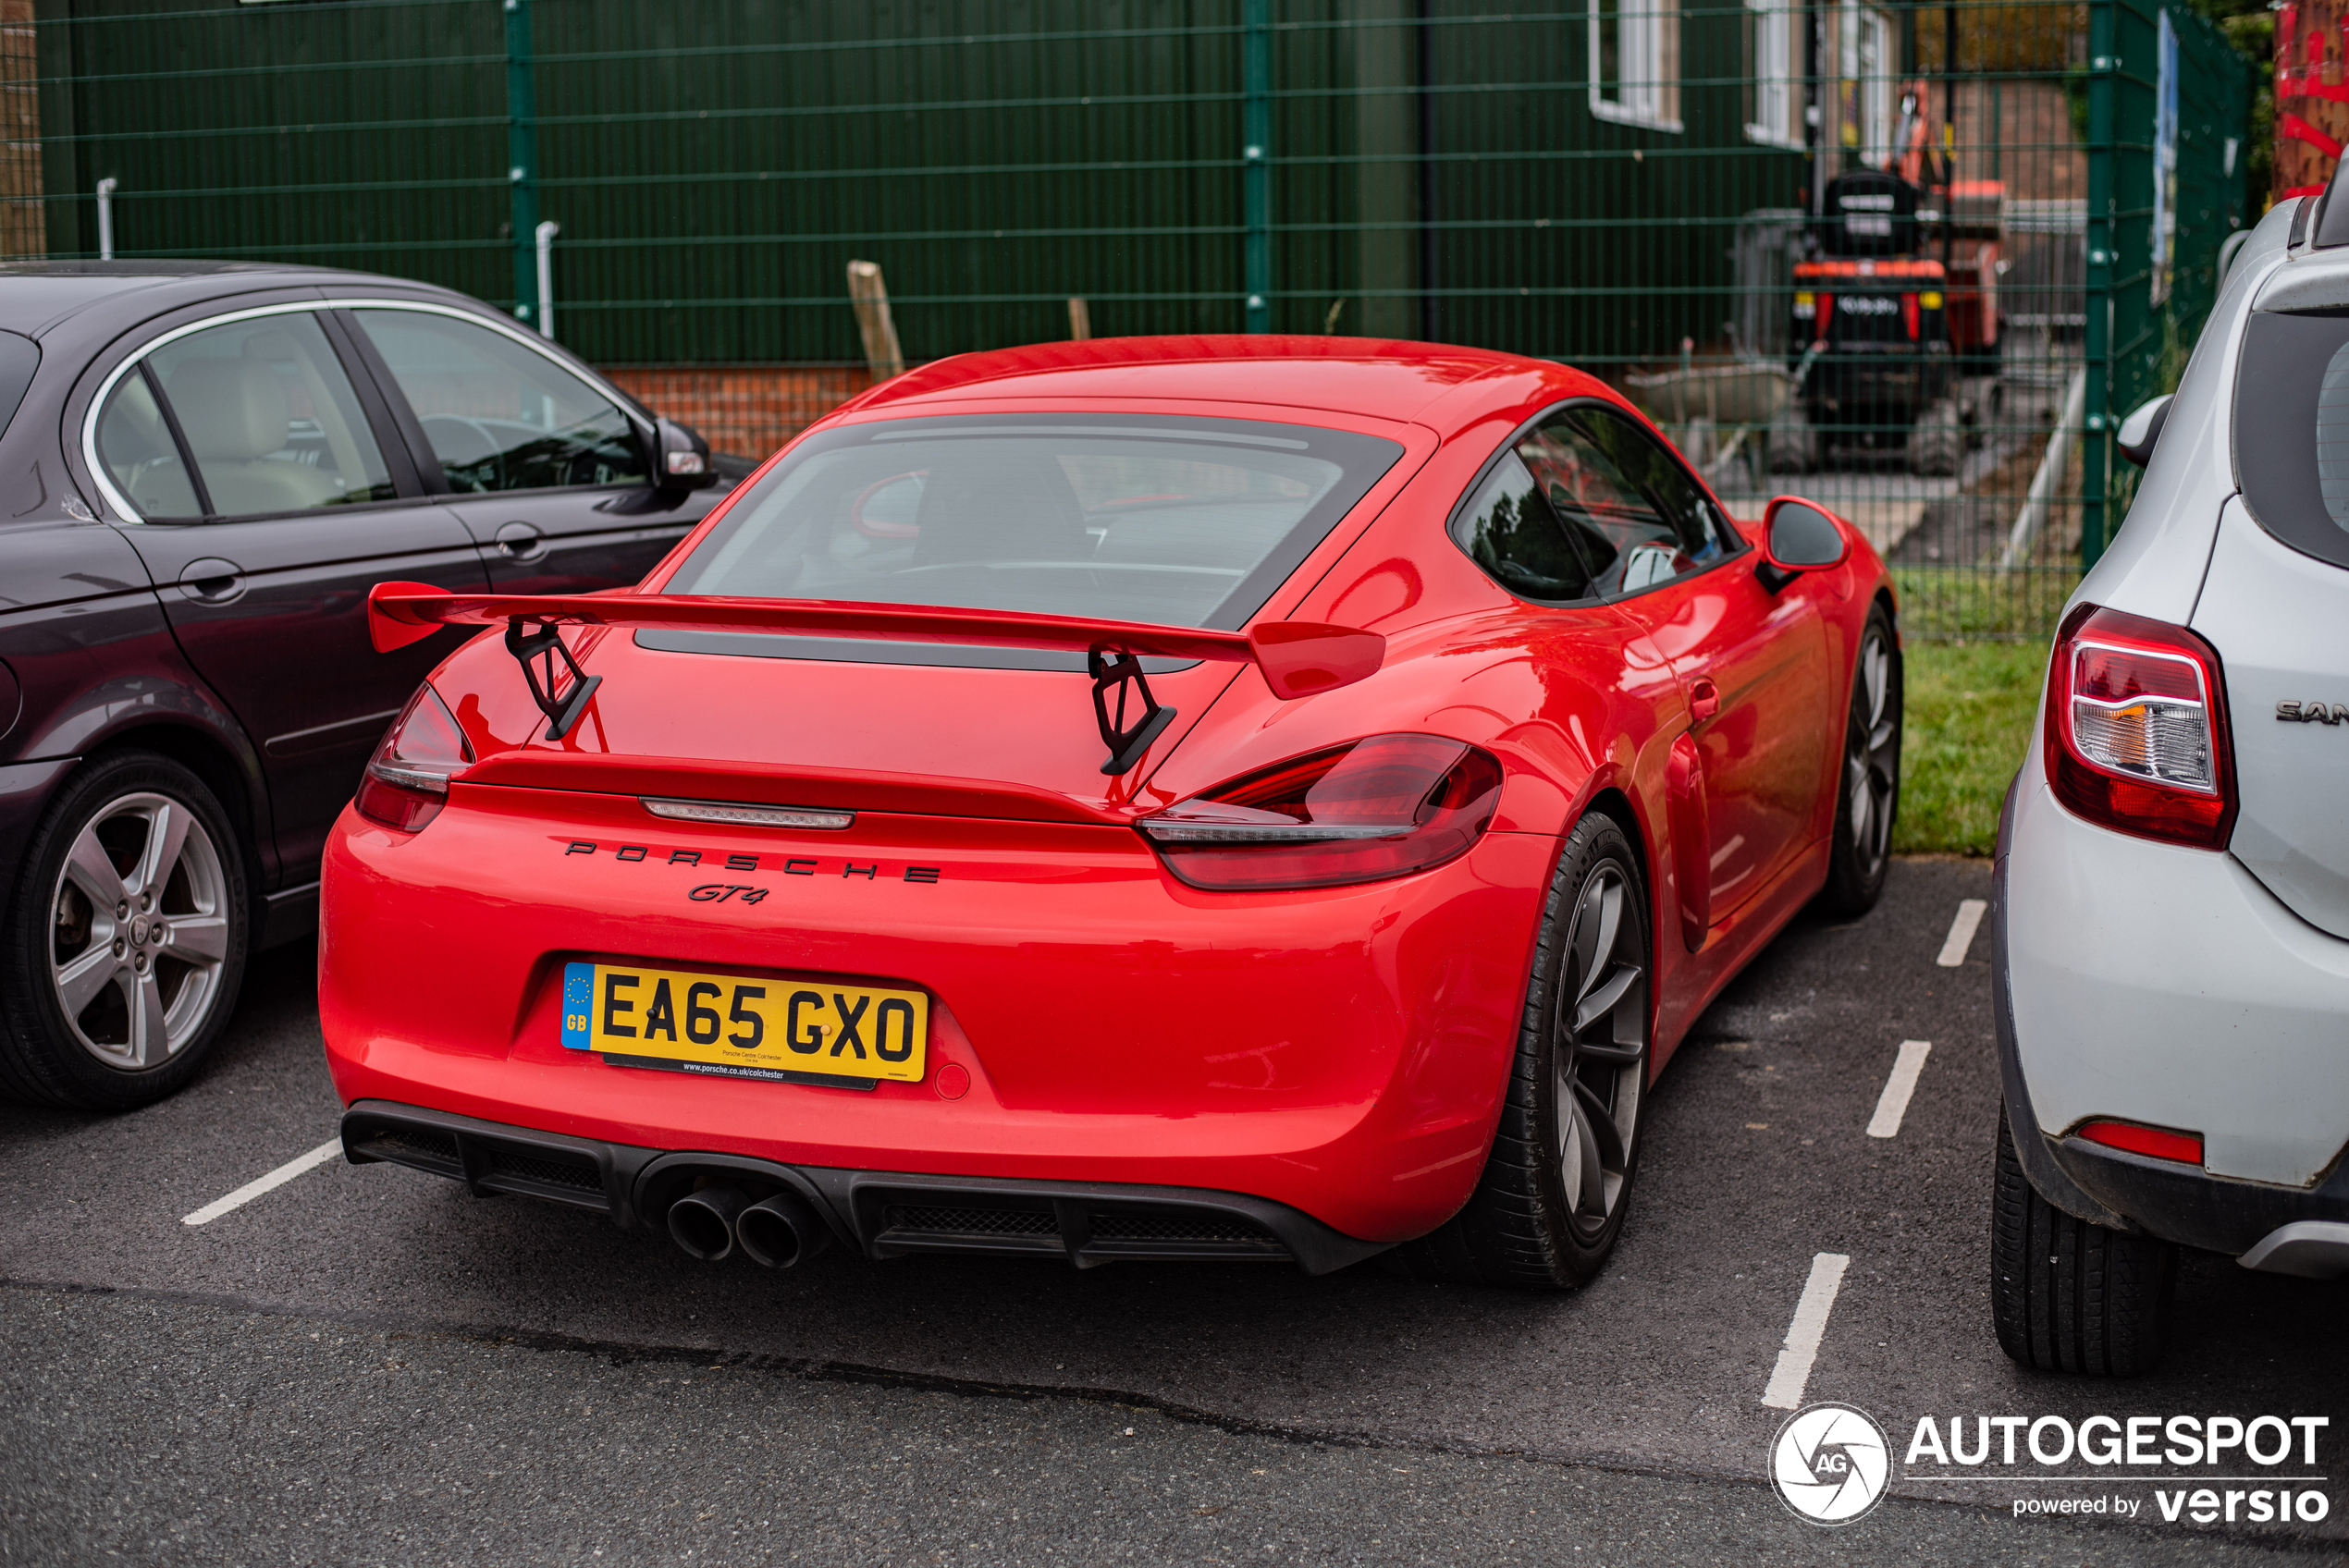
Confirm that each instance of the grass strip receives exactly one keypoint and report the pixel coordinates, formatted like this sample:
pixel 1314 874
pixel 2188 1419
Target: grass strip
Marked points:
pixel 1966 729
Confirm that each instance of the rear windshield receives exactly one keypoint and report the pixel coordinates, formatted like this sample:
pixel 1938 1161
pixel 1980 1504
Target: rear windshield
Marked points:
pixel 1172 522
pixel 2292 430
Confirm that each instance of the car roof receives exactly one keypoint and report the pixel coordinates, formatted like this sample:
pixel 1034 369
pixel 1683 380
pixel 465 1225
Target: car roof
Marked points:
pixel 1379 377
pixel 35 296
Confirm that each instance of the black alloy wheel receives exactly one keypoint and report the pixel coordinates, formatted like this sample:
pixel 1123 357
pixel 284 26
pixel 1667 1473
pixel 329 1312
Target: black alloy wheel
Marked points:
pixel 124 945
pixel 1551 1201
pixel 1868 797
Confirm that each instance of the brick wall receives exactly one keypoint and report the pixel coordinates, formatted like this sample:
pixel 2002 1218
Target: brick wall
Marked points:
pixel 22 229
pixel 748 410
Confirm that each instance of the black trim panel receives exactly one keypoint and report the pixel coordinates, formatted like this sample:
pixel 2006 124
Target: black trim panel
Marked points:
pixel 881 1214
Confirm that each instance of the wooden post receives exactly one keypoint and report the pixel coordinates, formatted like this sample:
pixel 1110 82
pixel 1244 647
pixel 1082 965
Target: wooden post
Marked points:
pixel 1080 320
pixel 870 295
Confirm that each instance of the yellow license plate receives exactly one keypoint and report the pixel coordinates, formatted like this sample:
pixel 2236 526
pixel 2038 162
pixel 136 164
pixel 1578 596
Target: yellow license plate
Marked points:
pixel 734 1026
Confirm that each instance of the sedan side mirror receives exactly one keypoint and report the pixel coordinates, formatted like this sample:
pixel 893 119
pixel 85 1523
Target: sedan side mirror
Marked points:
pixel 1799 537
pixel 2143 428
pixel 681 458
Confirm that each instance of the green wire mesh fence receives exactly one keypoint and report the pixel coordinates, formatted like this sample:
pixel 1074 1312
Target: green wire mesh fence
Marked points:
pixel 1913 260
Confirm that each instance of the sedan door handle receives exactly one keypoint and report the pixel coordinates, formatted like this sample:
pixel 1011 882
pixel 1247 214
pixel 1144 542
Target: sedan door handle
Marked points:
pixel 212 580
pixel 520 541
pixel 1704 698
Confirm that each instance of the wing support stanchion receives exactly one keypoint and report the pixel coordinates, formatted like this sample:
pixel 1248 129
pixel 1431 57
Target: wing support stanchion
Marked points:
pixel 1114 669
pixel 547 644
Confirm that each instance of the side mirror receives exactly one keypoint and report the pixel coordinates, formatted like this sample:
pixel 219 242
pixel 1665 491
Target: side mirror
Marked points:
pixel 681 458
pixel 2143 428
pixel 1798 537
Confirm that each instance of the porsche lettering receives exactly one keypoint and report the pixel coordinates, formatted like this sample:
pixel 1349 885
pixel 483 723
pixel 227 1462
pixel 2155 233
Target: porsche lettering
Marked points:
pixel 872 871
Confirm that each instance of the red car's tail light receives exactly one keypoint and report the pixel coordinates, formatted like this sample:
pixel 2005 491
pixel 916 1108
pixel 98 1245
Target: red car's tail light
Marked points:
pixel 407 781
pixel 2159 1143
pixel 2136 728
pixel 1368 809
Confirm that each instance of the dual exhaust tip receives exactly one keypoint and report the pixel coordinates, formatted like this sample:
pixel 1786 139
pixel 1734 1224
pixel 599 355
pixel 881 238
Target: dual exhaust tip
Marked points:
pixel 775 1233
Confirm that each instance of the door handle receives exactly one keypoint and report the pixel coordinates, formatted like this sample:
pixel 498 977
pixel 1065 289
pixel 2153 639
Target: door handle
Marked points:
pixel 212 580
pixel 520 541
pixel 1704 699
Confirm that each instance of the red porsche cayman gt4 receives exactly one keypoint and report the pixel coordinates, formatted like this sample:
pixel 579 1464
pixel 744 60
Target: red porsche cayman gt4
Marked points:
pixel 1217 798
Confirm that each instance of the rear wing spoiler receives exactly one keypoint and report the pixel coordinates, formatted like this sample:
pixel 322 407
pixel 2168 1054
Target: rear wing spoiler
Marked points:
pixel 1298 659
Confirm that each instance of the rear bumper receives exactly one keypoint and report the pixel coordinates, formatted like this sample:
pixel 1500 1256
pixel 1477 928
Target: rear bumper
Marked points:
pixel 2162 1040
pixel 880 1214
pixel 1341 1052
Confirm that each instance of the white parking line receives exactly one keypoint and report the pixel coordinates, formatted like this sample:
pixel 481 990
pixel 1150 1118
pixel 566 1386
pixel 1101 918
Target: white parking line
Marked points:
pixel 1961 931
pixel 270 1182
pixel 1792 1373
pixel 1893 1104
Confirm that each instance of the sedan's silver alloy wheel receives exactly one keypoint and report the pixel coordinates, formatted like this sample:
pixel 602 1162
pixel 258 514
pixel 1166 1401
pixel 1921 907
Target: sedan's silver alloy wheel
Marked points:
pixel 1602 1051
pixel 1869 768
pixel 139 930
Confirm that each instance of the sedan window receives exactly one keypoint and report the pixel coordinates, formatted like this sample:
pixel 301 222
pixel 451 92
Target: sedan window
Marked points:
pixel 264 410
pixel 138 453
pixel 500 415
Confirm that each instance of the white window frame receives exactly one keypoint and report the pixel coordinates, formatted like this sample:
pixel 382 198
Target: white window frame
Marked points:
pixel 1777 74
pixel 1868 47
pixel 1648 36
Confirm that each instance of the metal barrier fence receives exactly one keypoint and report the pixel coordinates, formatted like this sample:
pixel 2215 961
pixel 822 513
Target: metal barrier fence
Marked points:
pixel 1912 260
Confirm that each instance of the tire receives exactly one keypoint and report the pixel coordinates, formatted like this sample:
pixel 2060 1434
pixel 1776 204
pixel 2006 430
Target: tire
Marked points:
pixel 1551 1200
pixel 2068 1295
pixel 148 997
pixel 1867 801
pixel 1936 442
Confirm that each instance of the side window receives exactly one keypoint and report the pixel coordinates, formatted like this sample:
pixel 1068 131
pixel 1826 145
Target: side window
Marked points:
pixel 1509 530
pixel 267 416
pixel 500 416
pixel 136 449
pixel 1589 487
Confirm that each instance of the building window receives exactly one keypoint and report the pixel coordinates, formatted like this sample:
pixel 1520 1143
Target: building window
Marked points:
pixel 1635 62
pixel 1773 73
pixel 1868 85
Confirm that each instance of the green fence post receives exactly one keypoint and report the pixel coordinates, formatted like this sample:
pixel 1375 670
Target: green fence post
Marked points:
pixel 2096 330
pixel 521 159
pixel 1256 151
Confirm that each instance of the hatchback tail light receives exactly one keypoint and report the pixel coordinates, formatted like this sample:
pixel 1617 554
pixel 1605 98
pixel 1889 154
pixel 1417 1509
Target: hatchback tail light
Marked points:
pixel 407 779
pixel 2136 729
pixel 1362 812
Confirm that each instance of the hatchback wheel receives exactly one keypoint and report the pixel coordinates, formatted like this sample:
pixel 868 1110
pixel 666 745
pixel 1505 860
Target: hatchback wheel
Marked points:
pixel 126 941
pixel 2067 1295
pixel 1552 1198
pixel 1868 800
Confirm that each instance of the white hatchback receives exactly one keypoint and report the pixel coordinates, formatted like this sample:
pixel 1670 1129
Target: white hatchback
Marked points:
pixel 2171 936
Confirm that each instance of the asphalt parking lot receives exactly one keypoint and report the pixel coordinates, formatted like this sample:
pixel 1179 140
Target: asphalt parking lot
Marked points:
pixel 365 1365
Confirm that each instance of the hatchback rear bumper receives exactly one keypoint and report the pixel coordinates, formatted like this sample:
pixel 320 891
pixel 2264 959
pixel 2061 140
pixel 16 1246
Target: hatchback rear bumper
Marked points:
pixel 2161 1036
